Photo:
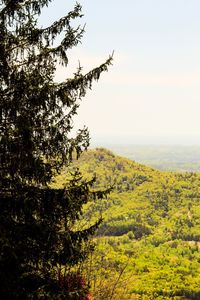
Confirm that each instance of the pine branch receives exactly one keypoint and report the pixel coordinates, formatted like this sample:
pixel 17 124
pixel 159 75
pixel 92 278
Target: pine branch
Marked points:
pixel 20 7
pixel 58 26
pixel 80 83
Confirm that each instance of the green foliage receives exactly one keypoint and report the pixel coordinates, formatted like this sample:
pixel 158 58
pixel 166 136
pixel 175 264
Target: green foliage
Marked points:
pixel 152 228
pixel 38 233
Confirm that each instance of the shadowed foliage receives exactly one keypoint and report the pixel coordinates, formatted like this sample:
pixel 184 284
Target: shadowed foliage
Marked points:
pixel 37 223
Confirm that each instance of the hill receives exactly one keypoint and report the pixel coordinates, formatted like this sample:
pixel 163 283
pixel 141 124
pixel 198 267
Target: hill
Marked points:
pixel 162 157
pixel 149 242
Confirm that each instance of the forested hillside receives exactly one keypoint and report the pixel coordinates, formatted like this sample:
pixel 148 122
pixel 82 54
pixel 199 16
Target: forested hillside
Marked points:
pixel 148 246
pixel 162 157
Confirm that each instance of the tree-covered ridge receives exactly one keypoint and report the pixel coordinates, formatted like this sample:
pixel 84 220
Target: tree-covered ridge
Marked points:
pixel 151 228
pixel 162 157
pixel 159 195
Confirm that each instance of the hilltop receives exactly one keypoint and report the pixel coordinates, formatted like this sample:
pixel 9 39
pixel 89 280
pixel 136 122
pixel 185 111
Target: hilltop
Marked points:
pixel 151 195
pixel 151 229
pixel 163 157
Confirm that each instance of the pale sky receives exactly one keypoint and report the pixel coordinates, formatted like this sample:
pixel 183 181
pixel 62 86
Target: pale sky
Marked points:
pixel 151 94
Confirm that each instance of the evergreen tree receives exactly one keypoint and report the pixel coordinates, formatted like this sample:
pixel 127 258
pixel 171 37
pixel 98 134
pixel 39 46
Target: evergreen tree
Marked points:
pixel 36 222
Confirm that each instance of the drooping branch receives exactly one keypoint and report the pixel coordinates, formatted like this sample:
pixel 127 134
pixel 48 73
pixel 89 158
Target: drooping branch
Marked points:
pixel 80 83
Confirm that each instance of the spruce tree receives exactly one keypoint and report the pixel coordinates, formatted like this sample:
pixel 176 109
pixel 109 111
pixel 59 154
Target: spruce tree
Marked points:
pixel 37 237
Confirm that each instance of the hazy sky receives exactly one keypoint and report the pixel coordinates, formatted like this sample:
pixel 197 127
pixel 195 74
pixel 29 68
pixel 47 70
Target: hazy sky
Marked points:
pixel 151 94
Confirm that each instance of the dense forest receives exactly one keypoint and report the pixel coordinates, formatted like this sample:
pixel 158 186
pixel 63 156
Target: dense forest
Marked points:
pixel 148 246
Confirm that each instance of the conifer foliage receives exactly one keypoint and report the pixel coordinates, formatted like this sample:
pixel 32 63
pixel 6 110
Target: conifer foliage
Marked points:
pixel 36 114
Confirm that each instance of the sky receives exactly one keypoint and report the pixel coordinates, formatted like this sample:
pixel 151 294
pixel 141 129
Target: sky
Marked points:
pixel 151 94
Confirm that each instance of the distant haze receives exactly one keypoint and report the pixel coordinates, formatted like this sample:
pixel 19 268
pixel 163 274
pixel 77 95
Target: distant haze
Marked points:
pixel 162 157
pixel 125 140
